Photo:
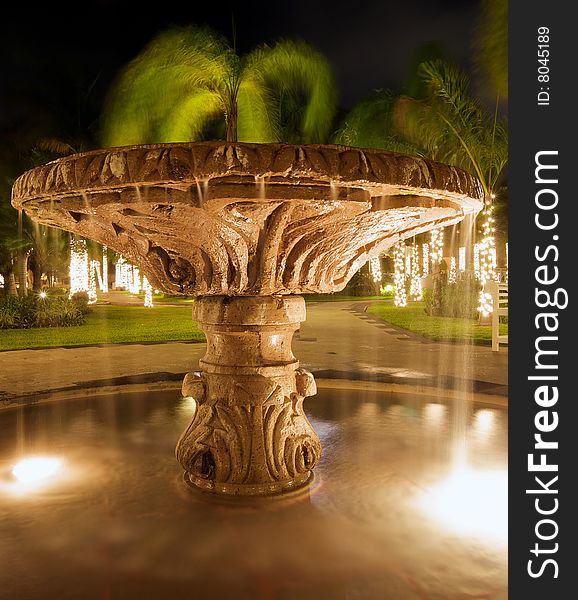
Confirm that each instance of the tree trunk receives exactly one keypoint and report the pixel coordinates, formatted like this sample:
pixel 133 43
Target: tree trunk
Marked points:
pixel 11 285
pixel 232 122
pixel 22 273
pixel 37 276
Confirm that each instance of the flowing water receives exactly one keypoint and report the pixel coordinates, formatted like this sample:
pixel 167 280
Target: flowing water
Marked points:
pixel 389 514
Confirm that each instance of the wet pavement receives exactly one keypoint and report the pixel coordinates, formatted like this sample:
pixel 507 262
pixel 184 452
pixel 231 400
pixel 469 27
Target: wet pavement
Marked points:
pixel 337 341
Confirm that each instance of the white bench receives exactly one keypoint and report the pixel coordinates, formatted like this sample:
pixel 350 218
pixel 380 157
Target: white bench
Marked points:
pixel 499 292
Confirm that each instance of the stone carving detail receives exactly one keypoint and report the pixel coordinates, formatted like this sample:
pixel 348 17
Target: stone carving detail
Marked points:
pixel 248 437
pixel 249 434
pixel 246 219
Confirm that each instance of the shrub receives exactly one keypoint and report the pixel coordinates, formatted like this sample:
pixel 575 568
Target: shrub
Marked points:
pixel 361 284
pixel 427 297
pixel 30 311
pixel 459 299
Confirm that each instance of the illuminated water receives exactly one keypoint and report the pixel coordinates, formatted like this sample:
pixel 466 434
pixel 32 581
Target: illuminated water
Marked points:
pixel 395 510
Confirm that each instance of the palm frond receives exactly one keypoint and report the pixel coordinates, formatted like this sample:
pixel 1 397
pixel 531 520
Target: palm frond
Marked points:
pixel 189 116
pixel 491 46
pixel 295 69
pixel 370 124
pixel 173 65
pixel 258 112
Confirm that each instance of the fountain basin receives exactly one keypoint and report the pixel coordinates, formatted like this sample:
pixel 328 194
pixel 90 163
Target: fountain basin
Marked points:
pixel 213 218
pixel 116 520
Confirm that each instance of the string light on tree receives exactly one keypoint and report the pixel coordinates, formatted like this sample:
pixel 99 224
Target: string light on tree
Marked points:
pixel 487 255
pixel 95 265
pixel 375 268
pixel 92 284
pixel 104 283
pixel 437 246
pixel 78 266
pixel 118 273
pixel 415 281
pixel 425 259
pixel 452 275
pixel 400 294
pixel 135 286
pixel 462 258
pixel 477 261
pixel 148 290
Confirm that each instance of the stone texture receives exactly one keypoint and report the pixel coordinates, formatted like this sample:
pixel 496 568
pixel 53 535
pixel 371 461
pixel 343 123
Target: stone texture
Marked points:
pixel 249 435
pixel 246 219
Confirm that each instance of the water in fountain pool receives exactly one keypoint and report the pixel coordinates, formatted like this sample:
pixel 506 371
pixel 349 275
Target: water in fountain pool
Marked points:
pixel 387 516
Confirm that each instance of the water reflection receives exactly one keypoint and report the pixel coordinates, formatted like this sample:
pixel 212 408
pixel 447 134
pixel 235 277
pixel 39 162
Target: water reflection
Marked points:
pixel 388 515
pixel 36 468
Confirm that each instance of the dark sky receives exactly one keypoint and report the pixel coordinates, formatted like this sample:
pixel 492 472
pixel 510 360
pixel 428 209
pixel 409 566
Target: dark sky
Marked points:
pixel 53 53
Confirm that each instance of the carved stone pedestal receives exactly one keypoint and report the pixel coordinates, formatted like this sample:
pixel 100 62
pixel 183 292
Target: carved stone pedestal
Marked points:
pixel 249 435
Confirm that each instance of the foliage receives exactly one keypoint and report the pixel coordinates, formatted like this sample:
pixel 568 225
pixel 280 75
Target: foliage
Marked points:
pixel 361 284
pixel 459 299
pixel 187 79
pixel 370 124
pixel 453 126
pixel 22 312
pixel 491 46
pixel 110 324
pixel 413 318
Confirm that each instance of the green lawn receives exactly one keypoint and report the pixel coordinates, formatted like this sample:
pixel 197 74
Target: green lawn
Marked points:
pixel 337 298
pixel 110 324
pixel 413 318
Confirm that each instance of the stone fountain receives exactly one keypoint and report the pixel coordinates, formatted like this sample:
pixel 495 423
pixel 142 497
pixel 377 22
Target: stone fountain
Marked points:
pixel 247 228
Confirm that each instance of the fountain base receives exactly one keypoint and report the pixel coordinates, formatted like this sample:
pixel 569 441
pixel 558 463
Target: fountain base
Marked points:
pixel 249 435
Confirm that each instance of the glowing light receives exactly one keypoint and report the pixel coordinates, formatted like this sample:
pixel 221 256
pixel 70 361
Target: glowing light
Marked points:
pixel 92 283
pixel 452 275
pixel 104 280
pixel 148 299
pixel 470 502
pixel 484 421
pixel 434 413
pixel 462 258
pixel 477 261
pixel 425 259
pixel 485 304
pixel 375 268
pixel 400 296
pixel 415 280
pixel 42 295
pixel 31 470
pixel 487 256
pixel 135 285
pixel 78 266
pixel 437 246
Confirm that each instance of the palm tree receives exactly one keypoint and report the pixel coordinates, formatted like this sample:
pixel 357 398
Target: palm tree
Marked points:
pixel 451 125
pixel 371 124
pixel 188 79
pixel 491 47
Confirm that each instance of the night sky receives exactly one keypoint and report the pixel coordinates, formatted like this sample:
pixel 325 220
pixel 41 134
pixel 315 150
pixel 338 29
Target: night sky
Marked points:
pixel 62 57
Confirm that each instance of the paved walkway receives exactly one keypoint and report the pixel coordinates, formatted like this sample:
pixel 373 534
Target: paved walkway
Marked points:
pixel 338 340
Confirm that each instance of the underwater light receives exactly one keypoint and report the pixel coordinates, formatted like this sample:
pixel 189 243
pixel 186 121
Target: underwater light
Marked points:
pixel 30 470
pixel 471 501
